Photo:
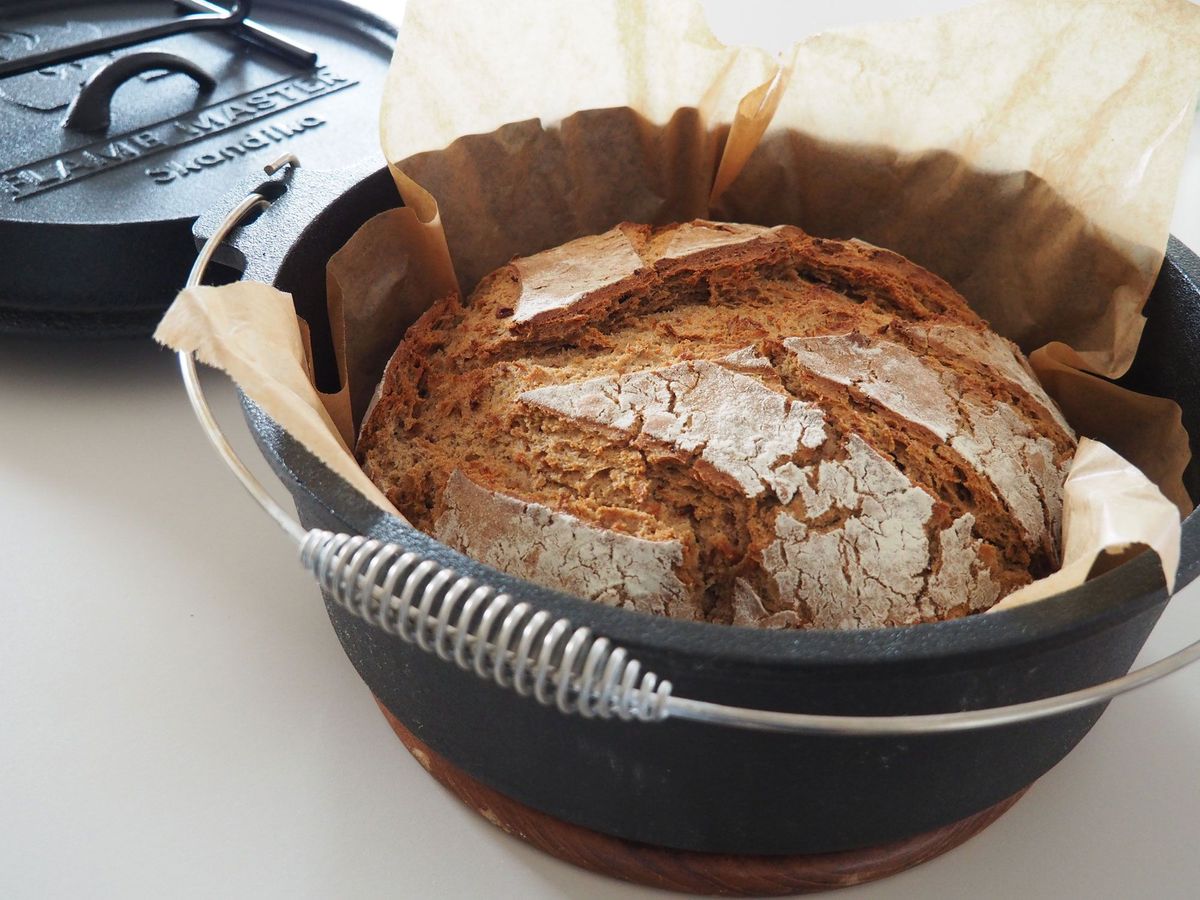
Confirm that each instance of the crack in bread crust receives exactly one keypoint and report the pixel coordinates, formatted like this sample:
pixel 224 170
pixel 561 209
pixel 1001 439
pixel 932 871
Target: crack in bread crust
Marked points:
pixel 986 434
pixel 665 403
pixel 731 422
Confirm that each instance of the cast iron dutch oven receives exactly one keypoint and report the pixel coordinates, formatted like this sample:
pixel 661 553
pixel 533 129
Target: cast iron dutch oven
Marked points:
pixel 706 787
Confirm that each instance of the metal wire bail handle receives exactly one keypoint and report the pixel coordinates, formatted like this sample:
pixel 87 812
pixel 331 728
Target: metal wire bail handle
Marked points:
pixel 213 17
pixel 522 649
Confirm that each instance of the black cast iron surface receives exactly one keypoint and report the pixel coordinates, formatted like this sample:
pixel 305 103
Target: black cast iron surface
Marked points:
pixel 707 788
pixel 95 218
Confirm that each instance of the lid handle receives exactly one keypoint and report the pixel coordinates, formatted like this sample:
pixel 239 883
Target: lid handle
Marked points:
pixel 91 110
pixel 226 18
pixel 235 19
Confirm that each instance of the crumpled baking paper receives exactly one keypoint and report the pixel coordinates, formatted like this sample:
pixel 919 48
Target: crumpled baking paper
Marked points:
pixel 1025 150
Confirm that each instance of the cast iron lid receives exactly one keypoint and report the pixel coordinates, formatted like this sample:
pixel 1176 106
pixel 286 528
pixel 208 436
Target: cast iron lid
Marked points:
pixel 106 160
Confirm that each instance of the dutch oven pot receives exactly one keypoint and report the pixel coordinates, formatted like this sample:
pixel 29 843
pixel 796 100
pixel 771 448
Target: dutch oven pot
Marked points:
pixel 779 786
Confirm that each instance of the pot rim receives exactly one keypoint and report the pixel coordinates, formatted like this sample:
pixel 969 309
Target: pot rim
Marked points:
pixel 1112 598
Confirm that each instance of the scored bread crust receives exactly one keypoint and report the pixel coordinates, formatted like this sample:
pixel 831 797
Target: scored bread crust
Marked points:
pixel 728 423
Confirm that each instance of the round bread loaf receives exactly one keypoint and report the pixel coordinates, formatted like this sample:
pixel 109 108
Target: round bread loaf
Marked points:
pixel 727 423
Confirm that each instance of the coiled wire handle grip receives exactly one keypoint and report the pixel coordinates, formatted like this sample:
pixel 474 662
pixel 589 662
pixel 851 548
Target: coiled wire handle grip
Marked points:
pixel 521 649
pixel 471 625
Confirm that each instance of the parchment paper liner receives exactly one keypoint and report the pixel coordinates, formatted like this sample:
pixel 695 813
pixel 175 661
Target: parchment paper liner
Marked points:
pixel 1028 163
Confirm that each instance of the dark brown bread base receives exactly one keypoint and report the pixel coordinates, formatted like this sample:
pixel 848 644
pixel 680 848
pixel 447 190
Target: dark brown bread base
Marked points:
pixel 711 874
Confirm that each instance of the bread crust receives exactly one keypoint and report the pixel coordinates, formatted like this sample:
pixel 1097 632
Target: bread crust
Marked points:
pixel 787 431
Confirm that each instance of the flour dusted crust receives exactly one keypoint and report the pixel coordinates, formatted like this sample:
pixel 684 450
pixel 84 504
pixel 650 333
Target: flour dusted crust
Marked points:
pixel 992 438
pixel 748 609
pixel 962 575
pixel 870 568
pixel 560 278
pixel 886 372
pixel 532 541
pixel 738 426
pixel 689 238
pixel 993 351
pixel 730 423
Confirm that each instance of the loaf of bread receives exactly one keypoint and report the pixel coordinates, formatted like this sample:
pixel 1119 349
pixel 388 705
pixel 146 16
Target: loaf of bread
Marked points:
pixel 727 423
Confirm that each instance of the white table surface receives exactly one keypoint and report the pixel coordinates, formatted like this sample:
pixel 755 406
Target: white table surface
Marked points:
pixel 177 718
